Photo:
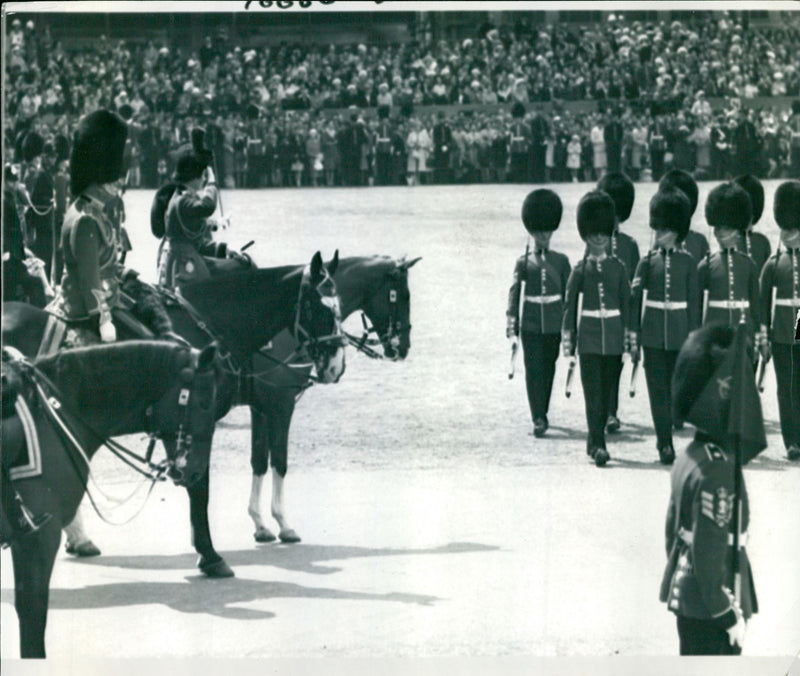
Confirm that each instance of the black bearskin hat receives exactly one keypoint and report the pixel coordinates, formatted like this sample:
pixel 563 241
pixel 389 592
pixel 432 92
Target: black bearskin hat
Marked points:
pixel 728 205
pixel 193 159
pixel 596 215
pixel 755 191
pixel 670 210
pixel 32 146
pixel 126 111
pixel 620 187
pixel 97 150
pixel 253 112
pixel 541 211
pixel 517 110
pixel 683 181
pixel 787 205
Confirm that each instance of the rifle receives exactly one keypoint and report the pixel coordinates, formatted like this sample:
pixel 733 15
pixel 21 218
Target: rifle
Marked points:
pixel 522 286
pixel 512 366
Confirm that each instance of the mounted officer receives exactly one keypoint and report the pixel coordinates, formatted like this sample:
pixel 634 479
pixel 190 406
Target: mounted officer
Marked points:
pixel 92 244
pixel 182 214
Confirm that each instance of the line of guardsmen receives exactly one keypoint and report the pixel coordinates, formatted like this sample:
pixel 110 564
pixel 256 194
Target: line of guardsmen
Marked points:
pixel 613 302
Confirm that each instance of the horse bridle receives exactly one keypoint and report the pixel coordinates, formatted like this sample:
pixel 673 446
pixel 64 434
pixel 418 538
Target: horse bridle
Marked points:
pixel 308 343
pixel 394 328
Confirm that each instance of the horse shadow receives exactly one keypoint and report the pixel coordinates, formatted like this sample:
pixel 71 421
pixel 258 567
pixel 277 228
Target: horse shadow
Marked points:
pixel 218 598
pixel 299 558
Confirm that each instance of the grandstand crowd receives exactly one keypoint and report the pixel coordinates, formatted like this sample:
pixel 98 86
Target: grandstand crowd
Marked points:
pixel 663 95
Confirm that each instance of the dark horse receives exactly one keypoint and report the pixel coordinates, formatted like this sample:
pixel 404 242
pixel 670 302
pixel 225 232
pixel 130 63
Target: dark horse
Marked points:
pixel 242 312
pixel 378 287
pixel 99 392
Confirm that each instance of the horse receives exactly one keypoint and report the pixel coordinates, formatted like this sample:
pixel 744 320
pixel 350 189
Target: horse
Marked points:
pixel 378 287
pixel 66 407
pixel 241 312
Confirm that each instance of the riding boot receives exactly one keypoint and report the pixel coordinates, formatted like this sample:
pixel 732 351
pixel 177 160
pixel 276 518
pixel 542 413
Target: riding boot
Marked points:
pixel 21 519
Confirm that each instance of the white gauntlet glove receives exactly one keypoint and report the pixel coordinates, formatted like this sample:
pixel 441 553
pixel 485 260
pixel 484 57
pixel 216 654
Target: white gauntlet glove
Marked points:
pixel 108 332
pixel 737 631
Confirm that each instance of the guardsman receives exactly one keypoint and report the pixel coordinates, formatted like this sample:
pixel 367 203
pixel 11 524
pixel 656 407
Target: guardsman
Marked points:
pixel 780 304
pixel 728 279
pixel 540 282
pixel 698 581
pixel 443 144
pixel 596 316
pixel 695 242
pixel 189 252
pixel 40 213
pixel 624 247
pixel 384 148
pixel 89 241
pixel 754 244
pixel 664 307
pixel 519 144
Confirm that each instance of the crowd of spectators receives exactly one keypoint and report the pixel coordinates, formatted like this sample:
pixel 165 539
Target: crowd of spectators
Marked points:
pixel 305 115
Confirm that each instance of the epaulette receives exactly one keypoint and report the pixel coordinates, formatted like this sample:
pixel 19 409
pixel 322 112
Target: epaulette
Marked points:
pixel 714 452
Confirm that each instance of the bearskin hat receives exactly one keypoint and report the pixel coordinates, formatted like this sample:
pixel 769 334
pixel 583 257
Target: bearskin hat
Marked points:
pixel 253 112
pixel 32 146
pixel 596 214
pixel 541 211
pixel 700 356
pixel 670 210
pixel 620 187
pixel 787 205
pixel 126 111
pixel 683 181
pixel 755 191
pixel 517 110
pixel 192 159
pixel 158 209
pixel 728 205
pixel 97 150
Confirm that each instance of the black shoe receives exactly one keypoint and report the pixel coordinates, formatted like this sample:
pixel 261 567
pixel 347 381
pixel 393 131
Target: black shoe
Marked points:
pixel 666 454
pixel 591 450
pixel 601 457
pixel 612 424
pixel 540 427
pixel 793 452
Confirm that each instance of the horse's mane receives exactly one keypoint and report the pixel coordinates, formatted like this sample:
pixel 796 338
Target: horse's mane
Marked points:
pixel 116 375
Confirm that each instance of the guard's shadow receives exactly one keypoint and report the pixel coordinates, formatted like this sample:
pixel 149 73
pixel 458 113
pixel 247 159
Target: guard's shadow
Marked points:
pixel 200 595
pixel 301 558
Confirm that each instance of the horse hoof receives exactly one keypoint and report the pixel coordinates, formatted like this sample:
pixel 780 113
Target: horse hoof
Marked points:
pixel 84 549
pixel 264 535
pixel 216 569
pixel 289 536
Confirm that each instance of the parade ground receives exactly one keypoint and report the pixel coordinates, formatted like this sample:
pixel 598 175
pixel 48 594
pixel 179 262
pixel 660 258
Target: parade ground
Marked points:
pixel 433 524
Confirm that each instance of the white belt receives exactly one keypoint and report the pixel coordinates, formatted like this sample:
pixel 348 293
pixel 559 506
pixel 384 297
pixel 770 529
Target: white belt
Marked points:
pixel 666 304
pixel 552 298
pixel 688 537
pixel 789 302
pixel 730 304
pixel 517 138
pixel 384 138
pixel 600 314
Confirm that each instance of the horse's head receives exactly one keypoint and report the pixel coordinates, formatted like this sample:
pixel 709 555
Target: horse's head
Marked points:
pixel 388 307
pixel 318 323
pixel 184 417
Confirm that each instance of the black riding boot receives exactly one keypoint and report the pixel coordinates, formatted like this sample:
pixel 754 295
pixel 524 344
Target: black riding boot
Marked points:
pixel 21 519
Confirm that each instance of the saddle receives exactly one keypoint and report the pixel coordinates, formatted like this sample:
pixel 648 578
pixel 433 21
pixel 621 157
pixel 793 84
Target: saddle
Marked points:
pixel 20 439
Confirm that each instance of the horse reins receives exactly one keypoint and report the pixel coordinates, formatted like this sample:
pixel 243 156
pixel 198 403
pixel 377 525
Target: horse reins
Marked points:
pixel 394 330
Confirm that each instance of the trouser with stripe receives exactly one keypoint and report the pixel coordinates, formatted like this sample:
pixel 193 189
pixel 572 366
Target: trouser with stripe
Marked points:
pixel 598 378
pixel 659 366
pixel 787 372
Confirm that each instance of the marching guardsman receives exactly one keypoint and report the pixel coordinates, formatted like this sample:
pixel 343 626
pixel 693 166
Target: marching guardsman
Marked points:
pixel 189 250
pixel 384 148
pixel 754 244
pixel 695 242
pixel 89 240
pixel 540 282
pixel 519 144
pixel 596 316
pixel 665 307
pixel 698 584
pixel 728 279
pixel 39 156
pixel 624 247
pixel 780 303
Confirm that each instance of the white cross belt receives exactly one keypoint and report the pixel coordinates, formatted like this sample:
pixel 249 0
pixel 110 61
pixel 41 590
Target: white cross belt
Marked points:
pixel 788 302
pixel 600 314
pixel 552 298
pixel 730 304
pixel 666 304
